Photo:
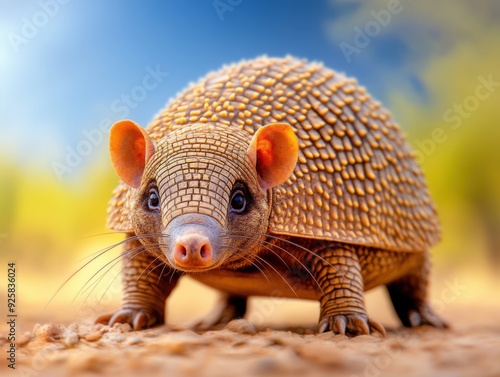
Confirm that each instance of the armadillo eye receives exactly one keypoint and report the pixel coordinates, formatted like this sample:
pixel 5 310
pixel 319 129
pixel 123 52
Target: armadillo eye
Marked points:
pixel 238 202
pixel 153 200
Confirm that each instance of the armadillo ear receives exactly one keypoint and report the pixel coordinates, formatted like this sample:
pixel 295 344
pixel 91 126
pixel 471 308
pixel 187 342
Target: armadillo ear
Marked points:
pixel 130 148
pixel 274 152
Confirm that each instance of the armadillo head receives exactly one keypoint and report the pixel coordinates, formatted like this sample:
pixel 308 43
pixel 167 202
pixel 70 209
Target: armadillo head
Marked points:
pixel 202 193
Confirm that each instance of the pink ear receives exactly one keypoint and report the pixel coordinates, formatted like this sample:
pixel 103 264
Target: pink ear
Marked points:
pixel 130 148
pixel 274 151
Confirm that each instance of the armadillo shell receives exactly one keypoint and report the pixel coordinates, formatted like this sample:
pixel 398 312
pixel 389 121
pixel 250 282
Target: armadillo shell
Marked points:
pixel 356 180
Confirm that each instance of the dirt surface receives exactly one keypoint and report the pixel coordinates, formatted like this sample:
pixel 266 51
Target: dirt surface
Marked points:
pixel 278 340
pixel 240 349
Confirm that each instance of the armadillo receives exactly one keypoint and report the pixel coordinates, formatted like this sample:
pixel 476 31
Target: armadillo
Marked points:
pixel 273 177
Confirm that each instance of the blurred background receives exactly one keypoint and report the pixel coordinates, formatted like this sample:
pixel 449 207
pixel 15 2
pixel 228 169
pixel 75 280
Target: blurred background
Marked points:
pixel 69 69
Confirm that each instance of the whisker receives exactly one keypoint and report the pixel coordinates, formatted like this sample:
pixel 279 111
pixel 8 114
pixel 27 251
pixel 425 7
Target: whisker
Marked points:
pixel 126 254
pixel 145 268
pixel 138 250
pixel 94 284
pixel 117 258
pixel 98 235
pixel 270 265
pixel 100 253
pixel 161 273
pixel 113 280
pixel 154 268
pixel 263 242
pixel 126 264
pixel 300 247
pixel 171 275
pixel 263 273
pixel 132 238
pixel 120 272
pixel 122 255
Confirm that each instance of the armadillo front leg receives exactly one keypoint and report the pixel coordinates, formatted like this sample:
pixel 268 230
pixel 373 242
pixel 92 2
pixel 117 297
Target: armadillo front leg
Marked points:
pixel 338 273
pixel 146 286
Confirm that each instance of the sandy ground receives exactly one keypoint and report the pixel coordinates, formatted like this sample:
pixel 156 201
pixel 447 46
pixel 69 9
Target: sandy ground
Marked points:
pixel 278 339
pixel 84 349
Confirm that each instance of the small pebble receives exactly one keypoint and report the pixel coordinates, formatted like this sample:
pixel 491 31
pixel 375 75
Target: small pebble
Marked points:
pixel 114 338
pixel 25 338
pixel 125 327
pixel 122 327
pixel 48 332
pixel 133 340
pixel 241 326
pixel 92 337
pixel 70 338
pixel 102 328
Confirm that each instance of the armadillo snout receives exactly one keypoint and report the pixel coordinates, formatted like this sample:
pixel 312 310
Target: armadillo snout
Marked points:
pixel 193 251
pixel 193 242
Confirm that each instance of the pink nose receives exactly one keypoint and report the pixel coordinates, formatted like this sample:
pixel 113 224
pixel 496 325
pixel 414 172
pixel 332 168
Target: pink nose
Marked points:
pixel 193 251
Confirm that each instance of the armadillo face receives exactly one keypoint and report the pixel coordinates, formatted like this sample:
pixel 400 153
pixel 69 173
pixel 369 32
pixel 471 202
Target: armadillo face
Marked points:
pixel 200 194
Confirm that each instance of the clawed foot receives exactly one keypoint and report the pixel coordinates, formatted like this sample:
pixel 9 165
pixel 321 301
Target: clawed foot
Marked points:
pixel 226 309
pixel 423 316
pixel 351 324
pixel 139 319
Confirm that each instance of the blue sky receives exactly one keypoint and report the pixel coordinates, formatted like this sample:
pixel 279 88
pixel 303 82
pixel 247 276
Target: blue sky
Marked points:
pixel 87 54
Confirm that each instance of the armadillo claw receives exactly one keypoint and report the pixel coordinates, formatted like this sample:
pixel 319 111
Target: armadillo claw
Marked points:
pixel 137 318
pixel 352 324
pixel 425 316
